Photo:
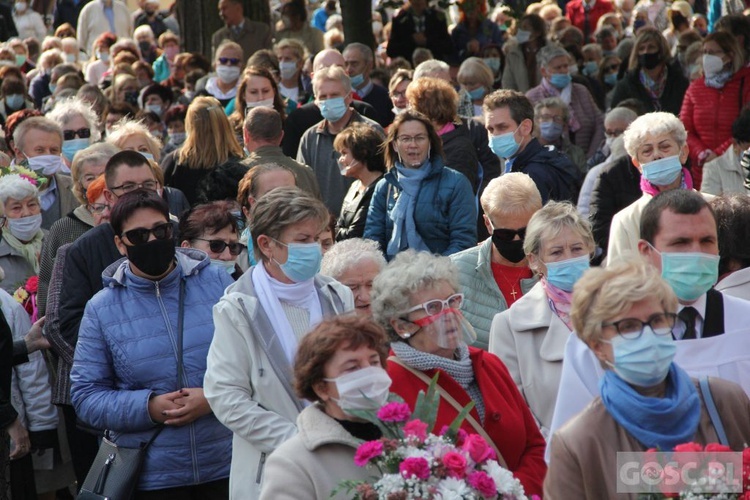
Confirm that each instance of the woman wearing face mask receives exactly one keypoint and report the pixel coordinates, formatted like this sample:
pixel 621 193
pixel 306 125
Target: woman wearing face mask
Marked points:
pixel 521 72
pixel 134 372
pixel 22 232
pixel 228 65
pixel 361 158
pixel 420 203
pixel 492 55
pixel 651 78
pixel 625 313
pixel 174 120
pixel 14 98
pixel 79 124
pixel 476 78
pixel 100 59
pixel 164 65
pixel 714 101
pixel 608 76
pixel 339 366
pixel 416 299
pixel 552 124
pixel 294 86
pixel 259 323
pixel 530 336
pixel 212 228
pixel 257 89
pixel 397 90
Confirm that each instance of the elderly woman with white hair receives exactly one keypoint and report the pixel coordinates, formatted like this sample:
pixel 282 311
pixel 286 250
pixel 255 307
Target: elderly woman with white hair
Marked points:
pixel 625 313
pixel 530 336
pixel 79 124
pixel 476 78
pixel 657 144
pixel 586 119
pixel 496 273
pixel 416 298
pixel 22 233
pixel 355 263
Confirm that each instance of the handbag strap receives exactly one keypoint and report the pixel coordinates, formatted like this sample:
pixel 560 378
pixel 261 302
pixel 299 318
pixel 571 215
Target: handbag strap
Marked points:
pixel 712 411
pixel 455 404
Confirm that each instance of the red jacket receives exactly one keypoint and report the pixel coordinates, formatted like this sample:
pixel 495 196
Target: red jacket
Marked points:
pixel 574 12
pixel 507 419
pixel 708 114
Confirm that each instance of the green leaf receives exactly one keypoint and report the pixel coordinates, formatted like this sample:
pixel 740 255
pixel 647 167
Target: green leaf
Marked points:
pixel 456 424
pixel 426 408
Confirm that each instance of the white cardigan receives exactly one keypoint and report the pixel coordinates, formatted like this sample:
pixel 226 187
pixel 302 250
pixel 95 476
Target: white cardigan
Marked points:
pixel 30 24
pixel 93 22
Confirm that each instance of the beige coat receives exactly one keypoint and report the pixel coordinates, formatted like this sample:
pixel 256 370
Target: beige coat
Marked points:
pixel 311 464
pixel 583 460
pixel 723 175
pixel 530 339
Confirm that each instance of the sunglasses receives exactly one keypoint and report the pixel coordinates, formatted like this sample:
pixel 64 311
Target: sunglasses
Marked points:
pixel 218 246
pixel 83 133
pixel 232 61
pixel 509 234
pixel 140 235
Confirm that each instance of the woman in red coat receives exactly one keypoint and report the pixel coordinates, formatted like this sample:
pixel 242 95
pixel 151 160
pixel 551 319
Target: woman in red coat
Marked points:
pixel 714 101
pixel 415 298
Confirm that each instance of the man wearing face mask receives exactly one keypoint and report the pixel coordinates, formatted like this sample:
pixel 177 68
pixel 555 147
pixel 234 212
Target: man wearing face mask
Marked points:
pixel 38 144
pixel 332 88
pixel 14 98
pixel 496 273
pixel 509 120
pixel 551 117
pixel 359 62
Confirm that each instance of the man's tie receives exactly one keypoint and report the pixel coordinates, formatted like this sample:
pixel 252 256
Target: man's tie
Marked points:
pixel 688 315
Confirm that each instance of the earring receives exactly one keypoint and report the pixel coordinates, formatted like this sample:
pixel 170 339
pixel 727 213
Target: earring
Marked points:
pixel 406 336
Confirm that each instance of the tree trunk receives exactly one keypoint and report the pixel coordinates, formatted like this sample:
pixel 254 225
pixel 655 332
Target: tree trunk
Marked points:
pixel 357 18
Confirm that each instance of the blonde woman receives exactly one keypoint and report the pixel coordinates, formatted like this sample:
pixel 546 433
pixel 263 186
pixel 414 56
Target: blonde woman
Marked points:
pixel 210 146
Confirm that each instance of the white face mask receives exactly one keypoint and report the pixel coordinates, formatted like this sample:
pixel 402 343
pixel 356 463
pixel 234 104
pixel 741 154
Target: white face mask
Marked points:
pixel 227 74
pixel 712 64
pixel 365 389
pixel 154 108
pixel 265 103
pixel 46 164
pixel 25 228
pixel 287 69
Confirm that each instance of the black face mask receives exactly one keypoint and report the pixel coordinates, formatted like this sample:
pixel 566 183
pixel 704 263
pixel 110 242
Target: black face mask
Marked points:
pixel 131 97
pixel 152 258
pixel 510 250
pixel 649 60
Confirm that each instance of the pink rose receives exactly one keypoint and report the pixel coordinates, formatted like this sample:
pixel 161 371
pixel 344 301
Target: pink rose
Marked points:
pixel 367 451
pixel 688 447
pixel 414 467
pixel 478 449
pixel 394 412
pixel 483 483
pixel 455 464
pixel 417 429
pixel 717 448
pixel 461 436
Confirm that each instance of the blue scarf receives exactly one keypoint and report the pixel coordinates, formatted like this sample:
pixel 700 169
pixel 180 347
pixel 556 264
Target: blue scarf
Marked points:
pixel 661 423
pixel 402 215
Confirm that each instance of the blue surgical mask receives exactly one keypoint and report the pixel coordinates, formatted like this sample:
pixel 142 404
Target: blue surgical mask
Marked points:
pixel 357 80
pixel 645 361
pixel 14 101
pixel 477 93
pixel 610 79
pixel 72 146
pixel 590 68
pixel 550 131
pixel 302 261
pixel 52 87
pixel 662 172
pixel 560 80
pixel 563 274
pixel 333 109
pixel 493 63
pixel 690 274
pixel 148 156
pixel 523 36
pixel 504 145
pixel 226 266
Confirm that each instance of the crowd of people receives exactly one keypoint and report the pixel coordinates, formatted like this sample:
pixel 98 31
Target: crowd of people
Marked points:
pixel 220 260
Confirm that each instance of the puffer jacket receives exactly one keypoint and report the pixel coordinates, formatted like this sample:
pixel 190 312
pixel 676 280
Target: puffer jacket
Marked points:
pixel 445 213
pixel 127 352
pixel 553 173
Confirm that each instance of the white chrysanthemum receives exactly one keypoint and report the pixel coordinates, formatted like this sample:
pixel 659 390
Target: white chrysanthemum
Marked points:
pixel 389 483
pixel 504 480
pixel 452 488
pixel 412 452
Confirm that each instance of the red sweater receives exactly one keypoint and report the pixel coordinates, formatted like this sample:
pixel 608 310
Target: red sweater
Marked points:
pixel 507 419
pixel 708 115
pixel 574 11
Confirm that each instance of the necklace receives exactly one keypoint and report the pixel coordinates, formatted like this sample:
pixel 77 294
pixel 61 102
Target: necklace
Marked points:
pixel 511 284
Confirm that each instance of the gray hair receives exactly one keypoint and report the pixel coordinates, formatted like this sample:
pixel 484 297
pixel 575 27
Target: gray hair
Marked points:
pixel 408 273
pixel 621 114
pixel 97 154
pixel 550 220
pixel 511 194
pixel 348 254
pixel 283 207
pixel 124 129
pixel 549 52
pixel 334 74
pixel 67 110
pixel 650 125
pixel 363 49
pixel 433 68
pixel 144 29
pixel 593 48
pixel 552 103
pixel 37 123
pixel 16 187
pixel 474 68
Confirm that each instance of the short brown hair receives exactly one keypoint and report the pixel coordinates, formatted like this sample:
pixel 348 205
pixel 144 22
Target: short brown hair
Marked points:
pixel 517 103
pixel 349 333
pixel 364 142
pixel 435 98
pixel 410 115
pixel 248 185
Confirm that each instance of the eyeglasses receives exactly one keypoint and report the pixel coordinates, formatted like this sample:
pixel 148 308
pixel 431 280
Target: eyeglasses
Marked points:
pixel 83 133
pixel 551 118
pixel 433 307
pixel 611 67
pixel 632 328
pixel 405 139
pixel 132 186
pixel 140 235
pixel 509 234
pixel 231 61
pixel 218 246
pixel 97 208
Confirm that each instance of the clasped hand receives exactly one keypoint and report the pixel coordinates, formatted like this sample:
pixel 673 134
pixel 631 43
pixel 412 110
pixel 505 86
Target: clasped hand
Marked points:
pixel 179 407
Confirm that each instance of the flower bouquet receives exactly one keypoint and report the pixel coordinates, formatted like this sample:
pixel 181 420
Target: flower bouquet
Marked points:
pixel 415 463
pixel 24 173
pixel 26 296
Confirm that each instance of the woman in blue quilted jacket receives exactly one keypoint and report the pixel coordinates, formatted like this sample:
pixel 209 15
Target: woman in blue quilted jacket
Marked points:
pixel 125 371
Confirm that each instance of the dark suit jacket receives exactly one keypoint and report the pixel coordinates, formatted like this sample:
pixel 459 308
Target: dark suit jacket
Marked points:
pixel 401 43
pixel 253 36
pixel 379 99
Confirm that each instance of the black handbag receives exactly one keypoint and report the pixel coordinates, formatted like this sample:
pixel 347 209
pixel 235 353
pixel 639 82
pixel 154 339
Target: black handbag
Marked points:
pixel 116 469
